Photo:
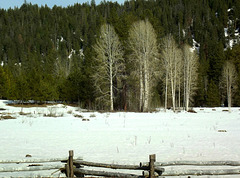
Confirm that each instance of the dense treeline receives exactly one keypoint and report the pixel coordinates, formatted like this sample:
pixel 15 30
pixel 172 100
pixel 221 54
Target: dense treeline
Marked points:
pixel 47 53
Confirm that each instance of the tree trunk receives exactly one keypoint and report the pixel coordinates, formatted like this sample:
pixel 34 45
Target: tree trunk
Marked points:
pixel 179 92
pixel 229 93
pixel 111 89
pixel 173 95
pixel 166 91
pixel 187 90
pixel 146 86
pixel 141 90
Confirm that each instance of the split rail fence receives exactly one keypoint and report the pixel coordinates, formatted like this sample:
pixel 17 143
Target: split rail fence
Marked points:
pixel 75 167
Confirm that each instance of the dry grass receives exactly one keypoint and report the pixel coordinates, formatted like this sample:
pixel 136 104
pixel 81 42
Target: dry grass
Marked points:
pixel 7 117
pixel 222 131
pixel 78 115
pixel 85 120
pixel 30 105
pixel 53 115
pixel 225 110
pixel 192 111
pixel 70 112
pixel 23 113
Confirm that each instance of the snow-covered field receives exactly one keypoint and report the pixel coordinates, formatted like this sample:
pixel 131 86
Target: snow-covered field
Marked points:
pixel 122 137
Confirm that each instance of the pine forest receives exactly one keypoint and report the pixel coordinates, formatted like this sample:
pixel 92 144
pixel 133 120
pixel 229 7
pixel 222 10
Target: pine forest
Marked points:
pixel 135 56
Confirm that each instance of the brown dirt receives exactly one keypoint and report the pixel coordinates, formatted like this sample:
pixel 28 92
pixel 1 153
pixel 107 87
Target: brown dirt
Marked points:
pixel 29 105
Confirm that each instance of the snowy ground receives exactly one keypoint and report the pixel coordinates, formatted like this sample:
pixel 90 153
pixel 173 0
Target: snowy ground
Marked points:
pixel 123 138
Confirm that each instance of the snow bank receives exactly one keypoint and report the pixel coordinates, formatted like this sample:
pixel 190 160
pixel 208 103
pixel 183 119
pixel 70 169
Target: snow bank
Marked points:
pixel 124 138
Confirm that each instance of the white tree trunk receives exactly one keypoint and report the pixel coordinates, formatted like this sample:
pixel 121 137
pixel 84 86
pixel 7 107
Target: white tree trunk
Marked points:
pixel 111 83
pixel 173 94
pixel 166 90
pixel 187 86
pixel 146 83
pixel 141 89
pixel 229 97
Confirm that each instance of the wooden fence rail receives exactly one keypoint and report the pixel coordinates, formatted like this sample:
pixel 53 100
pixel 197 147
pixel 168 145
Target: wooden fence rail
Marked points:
pixel 197 163
pixel 31 168
pixel 32 161
pixel 75 167
pixel 31 165
pixel 202 172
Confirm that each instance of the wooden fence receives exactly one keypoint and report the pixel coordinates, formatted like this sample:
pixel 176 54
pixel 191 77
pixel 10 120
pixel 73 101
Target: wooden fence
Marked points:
pixel 75 167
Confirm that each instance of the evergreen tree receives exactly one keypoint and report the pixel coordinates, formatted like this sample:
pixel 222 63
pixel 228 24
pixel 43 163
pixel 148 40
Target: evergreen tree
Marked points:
pixel 213 98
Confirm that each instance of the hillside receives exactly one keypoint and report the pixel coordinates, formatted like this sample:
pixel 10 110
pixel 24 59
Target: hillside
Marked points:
pixel 47 54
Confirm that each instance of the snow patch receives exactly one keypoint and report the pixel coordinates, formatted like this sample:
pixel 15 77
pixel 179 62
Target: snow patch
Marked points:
pixel 226 32
pixel 81 52
pixel 196 45
pixel 184 33
pixel 71 53
pixel 231 38
pixel 18 64
pixel 61 39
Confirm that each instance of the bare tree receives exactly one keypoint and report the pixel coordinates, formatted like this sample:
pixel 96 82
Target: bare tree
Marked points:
pixel 109 65
pixel 172 57
pixel 191 64
pixel 143 44
pixel 229 78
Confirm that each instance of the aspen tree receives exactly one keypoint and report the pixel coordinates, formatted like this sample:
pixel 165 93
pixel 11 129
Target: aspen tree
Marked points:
pixel 109 59
pixel 143 45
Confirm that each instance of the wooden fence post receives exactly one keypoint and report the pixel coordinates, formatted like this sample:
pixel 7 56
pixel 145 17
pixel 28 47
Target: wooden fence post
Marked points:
pixel 152 159
pixel 70 164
